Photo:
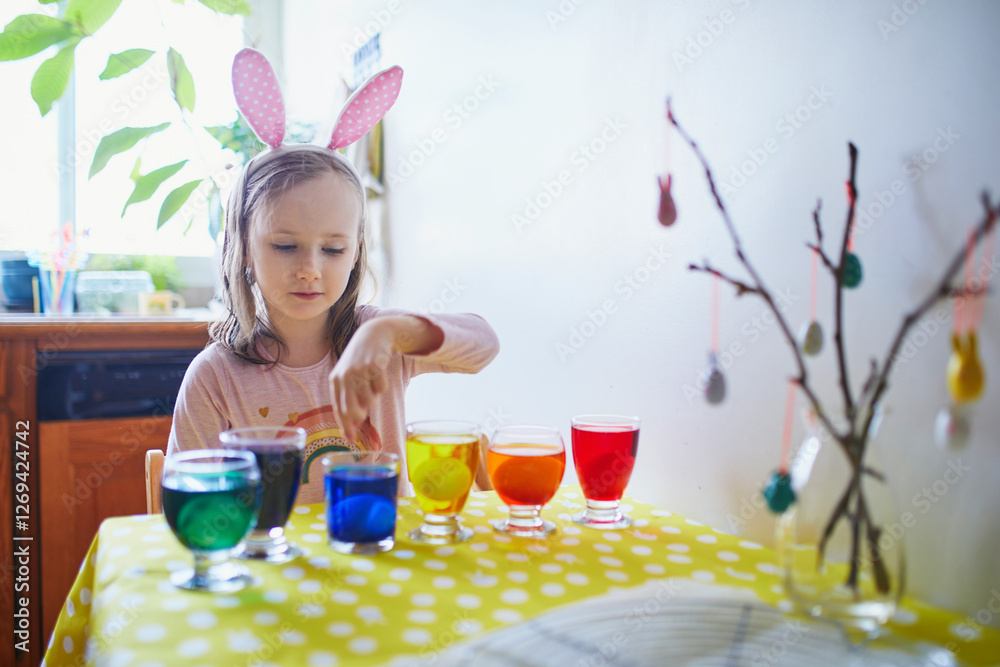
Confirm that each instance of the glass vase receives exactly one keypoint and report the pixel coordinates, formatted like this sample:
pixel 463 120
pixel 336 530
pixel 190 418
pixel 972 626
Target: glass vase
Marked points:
pixel 840 544
pixel 57 289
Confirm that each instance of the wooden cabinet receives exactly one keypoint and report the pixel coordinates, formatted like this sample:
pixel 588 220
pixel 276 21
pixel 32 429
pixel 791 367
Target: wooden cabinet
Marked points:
pixel 72 474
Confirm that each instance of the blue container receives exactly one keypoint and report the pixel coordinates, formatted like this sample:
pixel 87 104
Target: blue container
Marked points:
pixel 16 275
pixel 361 505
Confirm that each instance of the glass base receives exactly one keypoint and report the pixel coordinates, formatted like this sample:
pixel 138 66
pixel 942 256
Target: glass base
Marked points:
pixel 427 534
pixel 269 550
pixel 603 515
pixel 507 527
pixel 223 577
pixel 362 548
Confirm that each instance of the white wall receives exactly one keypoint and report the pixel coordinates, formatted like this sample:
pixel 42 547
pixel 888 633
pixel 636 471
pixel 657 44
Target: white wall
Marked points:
pixel 558 86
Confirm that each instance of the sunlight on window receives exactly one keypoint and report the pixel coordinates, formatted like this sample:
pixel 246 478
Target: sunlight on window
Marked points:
pixel 140 98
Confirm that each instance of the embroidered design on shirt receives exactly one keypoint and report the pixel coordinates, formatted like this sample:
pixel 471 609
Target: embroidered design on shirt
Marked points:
pixel 324 436
pixel 263 411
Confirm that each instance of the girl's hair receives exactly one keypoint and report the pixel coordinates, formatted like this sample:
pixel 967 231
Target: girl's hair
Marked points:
pixel 263 180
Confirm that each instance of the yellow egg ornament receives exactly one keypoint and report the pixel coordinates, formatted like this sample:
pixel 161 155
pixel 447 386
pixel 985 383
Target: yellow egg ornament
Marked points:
pixel 966 380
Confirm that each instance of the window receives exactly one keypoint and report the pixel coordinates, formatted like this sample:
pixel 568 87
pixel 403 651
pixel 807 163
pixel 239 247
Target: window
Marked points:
pixel 140 98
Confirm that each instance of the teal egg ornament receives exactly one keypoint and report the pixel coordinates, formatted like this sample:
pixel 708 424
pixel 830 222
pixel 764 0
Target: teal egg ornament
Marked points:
pixel 852 271
pixel 779 493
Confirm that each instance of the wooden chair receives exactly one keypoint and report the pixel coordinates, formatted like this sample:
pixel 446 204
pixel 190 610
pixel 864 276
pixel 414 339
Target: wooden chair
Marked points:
pixel 154 475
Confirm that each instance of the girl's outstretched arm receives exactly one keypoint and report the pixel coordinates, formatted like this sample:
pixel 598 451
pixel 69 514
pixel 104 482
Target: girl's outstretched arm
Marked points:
pixel 361 373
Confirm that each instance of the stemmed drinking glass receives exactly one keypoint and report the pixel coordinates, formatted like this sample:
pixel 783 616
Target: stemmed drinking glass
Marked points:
pixel 441 459
pixel 604 449
pixel 526 464
pixel 211 498
pixel 278 451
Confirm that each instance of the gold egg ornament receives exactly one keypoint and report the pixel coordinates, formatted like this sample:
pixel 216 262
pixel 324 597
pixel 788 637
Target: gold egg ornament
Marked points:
pixel 966 379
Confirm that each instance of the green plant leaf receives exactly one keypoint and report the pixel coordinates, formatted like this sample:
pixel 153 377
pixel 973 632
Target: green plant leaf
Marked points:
pixel 135 169
pixel 228 6
pixel 29 34
pixel 51 78
pixel 173 201
pixel 224 135
pixel 146 186
pixel 181 81
pixel 124 62
pixel 89 15
pixel 47 2
pixel 119 142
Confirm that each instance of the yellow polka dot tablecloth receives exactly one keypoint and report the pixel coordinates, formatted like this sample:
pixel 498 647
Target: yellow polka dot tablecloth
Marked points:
pixel 415 603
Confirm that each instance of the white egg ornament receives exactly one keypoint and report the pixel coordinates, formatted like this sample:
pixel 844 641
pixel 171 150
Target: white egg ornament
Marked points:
pixel 811 338
pixel 715 390
pixel 951 428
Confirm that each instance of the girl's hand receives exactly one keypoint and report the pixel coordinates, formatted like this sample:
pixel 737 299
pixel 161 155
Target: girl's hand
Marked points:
pixel 361 373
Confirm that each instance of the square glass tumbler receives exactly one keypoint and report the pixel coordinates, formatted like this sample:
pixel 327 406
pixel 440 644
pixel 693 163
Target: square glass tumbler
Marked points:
pixel 361 501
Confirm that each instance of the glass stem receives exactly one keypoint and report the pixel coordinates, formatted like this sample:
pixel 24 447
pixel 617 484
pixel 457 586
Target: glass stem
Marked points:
pixel 205 561
pixel 525 517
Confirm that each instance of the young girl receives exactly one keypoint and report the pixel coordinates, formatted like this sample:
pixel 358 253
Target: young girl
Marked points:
pixel 296 348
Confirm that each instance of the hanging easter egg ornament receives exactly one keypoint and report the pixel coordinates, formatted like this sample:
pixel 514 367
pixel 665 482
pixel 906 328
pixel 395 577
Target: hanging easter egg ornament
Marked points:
pixel 811 333
pixel 951 428
pixel 811 338
pixel 667 214
pixel 965 376
pixel 965 372
pixel 779 493
pixel 852 271
pixel 715 390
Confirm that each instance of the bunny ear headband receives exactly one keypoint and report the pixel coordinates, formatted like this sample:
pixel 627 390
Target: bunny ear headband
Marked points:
pixel 260 101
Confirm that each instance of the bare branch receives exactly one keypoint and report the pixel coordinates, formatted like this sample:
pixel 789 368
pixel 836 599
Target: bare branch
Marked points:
pixel 760 289
pixel 838 332
pixel 741 287
pixel 943 290
pixel 826 260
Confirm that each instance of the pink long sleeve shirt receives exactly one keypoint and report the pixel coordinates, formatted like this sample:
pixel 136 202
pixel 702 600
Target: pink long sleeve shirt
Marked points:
pixel 221 391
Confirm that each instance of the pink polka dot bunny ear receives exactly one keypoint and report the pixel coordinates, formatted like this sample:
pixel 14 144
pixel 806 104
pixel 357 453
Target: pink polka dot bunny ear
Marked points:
pixel 366 106
pixel 258 96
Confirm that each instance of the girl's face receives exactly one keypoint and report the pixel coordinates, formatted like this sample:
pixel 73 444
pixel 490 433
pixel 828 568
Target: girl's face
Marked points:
pixel 303 253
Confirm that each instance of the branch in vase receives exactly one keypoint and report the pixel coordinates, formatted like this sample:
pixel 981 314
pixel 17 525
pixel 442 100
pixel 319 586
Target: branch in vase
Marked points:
pixel 943 290
pixel 872 534
pixel 741 287
pixel 818 248
pixel 870 382
pixel 759 288
pixel 838 333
